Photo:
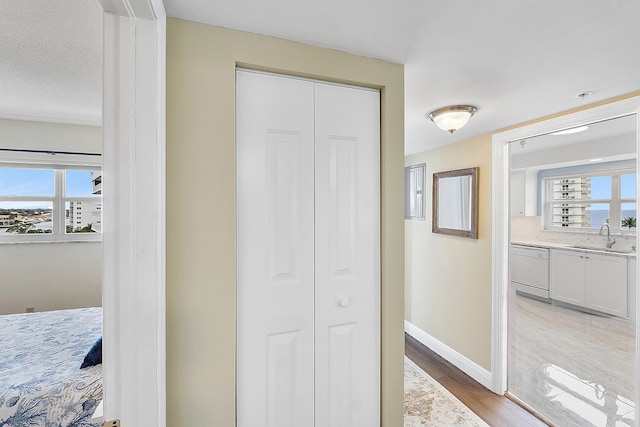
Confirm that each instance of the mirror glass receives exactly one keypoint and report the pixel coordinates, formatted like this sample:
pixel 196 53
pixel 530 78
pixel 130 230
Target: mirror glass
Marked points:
pixel 455 206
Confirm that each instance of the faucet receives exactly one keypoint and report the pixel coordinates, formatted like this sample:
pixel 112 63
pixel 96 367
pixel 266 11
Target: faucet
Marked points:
pixel 610 242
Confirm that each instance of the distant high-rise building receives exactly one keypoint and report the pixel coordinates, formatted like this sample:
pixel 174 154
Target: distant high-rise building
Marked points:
pixel 81 214
pixel 96 179
pixel 567 214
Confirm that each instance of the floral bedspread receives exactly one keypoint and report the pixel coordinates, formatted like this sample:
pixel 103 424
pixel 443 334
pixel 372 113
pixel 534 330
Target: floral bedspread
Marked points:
pixel 41 383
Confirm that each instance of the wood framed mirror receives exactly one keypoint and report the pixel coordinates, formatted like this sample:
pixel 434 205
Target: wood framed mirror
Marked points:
pixel 455 203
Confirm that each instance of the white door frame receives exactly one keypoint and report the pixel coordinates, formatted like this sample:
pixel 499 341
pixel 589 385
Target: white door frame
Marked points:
pixel 501 218
pixel 133 292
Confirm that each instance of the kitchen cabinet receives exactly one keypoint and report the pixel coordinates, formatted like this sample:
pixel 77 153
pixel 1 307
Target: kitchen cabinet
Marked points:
pixel 631 269
pixel 593 281
pixel 607 284
pixel 568 277
pixel 518 193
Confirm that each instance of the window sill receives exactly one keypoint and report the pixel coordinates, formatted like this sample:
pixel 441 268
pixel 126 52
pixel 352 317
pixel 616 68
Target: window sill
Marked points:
pixel 14 242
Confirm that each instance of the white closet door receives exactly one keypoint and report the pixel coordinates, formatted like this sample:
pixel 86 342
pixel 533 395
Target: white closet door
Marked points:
pixel 347 259
pixel 275 372
pixel 308 253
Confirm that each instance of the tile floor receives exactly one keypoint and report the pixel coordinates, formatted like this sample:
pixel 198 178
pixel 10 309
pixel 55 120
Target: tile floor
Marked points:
pixel 574 368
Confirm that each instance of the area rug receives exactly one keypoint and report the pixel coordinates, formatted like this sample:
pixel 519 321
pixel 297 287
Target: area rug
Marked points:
pixel 427 403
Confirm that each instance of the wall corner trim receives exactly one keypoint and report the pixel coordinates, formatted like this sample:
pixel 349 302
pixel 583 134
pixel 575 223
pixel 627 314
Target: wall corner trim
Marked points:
pixel 463 363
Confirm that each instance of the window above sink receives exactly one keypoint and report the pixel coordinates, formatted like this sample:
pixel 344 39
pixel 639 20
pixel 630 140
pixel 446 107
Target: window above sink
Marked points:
pixel 586 201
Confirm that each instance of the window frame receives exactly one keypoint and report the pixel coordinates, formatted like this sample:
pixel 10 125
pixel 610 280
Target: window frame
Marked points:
pixel 615 202
pixel 59 198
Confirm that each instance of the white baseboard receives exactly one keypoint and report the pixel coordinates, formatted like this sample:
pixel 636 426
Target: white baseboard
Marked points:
pixel 463 363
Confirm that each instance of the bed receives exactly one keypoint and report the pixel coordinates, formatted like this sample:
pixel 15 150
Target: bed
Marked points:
pixel 41 383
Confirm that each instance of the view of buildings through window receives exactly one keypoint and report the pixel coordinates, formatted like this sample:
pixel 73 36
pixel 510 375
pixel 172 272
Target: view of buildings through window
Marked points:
pixel 50 201
pixel 590 201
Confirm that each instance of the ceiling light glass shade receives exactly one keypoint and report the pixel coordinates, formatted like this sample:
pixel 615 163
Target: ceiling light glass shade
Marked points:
pixel 452 118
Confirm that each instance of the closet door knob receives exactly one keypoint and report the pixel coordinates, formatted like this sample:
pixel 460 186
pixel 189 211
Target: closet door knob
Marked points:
pixel 345 302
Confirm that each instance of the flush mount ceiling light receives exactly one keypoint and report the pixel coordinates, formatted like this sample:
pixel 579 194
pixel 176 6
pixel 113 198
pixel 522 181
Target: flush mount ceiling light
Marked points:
pixel 570 131
pixel 452 118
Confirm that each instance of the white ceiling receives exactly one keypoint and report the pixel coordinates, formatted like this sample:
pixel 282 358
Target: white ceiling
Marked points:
pixel 606 141
pixel 51 60
pixel 515 60
pixel 616 128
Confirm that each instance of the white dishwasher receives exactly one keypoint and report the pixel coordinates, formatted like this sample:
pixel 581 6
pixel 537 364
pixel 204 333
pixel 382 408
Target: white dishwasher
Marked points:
pixel 529 268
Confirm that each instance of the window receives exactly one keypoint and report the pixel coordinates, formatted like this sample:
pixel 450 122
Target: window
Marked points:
pixel 587 201
pixel 49 204
pixel 414 192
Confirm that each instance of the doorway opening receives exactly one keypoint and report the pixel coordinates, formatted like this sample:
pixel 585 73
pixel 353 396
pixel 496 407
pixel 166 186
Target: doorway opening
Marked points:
pixel 507 297
pixel 571 330
pixel 50 212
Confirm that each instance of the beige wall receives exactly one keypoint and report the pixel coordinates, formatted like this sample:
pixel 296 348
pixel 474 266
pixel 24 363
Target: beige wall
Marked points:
pixel 201 263
pixel 68 275
pixel 50 276
pixel 447 278
pixel 50 136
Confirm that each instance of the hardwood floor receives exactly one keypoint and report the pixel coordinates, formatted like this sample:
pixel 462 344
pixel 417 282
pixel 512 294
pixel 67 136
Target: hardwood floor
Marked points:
pixel 497 411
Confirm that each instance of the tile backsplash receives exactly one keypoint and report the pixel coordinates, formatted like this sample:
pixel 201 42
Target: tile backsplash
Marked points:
pixel 529 229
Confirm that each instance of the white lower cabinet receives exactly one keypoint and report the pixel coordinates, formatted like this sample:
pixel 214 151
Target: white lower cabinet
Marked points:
pixel 607 284
pixel 568 277
pixel 597 282
pixel 631 269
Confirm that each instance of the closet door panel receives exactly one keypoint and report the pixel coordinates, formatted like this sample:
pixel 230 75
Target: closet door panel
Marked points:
pixel 275 211
pixel 347 260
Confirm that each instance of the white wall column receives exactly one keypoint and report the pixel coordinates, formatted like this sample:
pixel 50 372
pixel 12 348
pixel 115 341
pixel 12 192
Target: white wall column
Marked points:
pixel 134 212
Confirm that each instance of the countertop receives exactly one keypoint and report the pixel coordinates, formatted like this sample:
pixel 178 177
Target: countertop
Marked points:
pixel 579 248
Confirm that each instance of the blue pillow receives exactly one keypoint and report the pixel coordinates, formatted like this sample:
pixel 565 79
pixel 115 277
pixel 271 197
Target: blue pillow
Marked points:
pixel 94 357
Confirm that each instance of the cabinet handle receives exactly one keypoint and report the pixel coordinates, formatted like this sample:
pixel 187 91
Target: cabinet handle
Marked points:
pixel 344 302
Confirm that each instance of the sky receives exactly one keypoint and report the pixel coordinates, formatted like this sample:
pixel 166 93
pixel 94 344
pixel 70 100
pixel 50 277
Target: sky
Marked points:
pixel 39 182
pixel 601 186
pixel 628 186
